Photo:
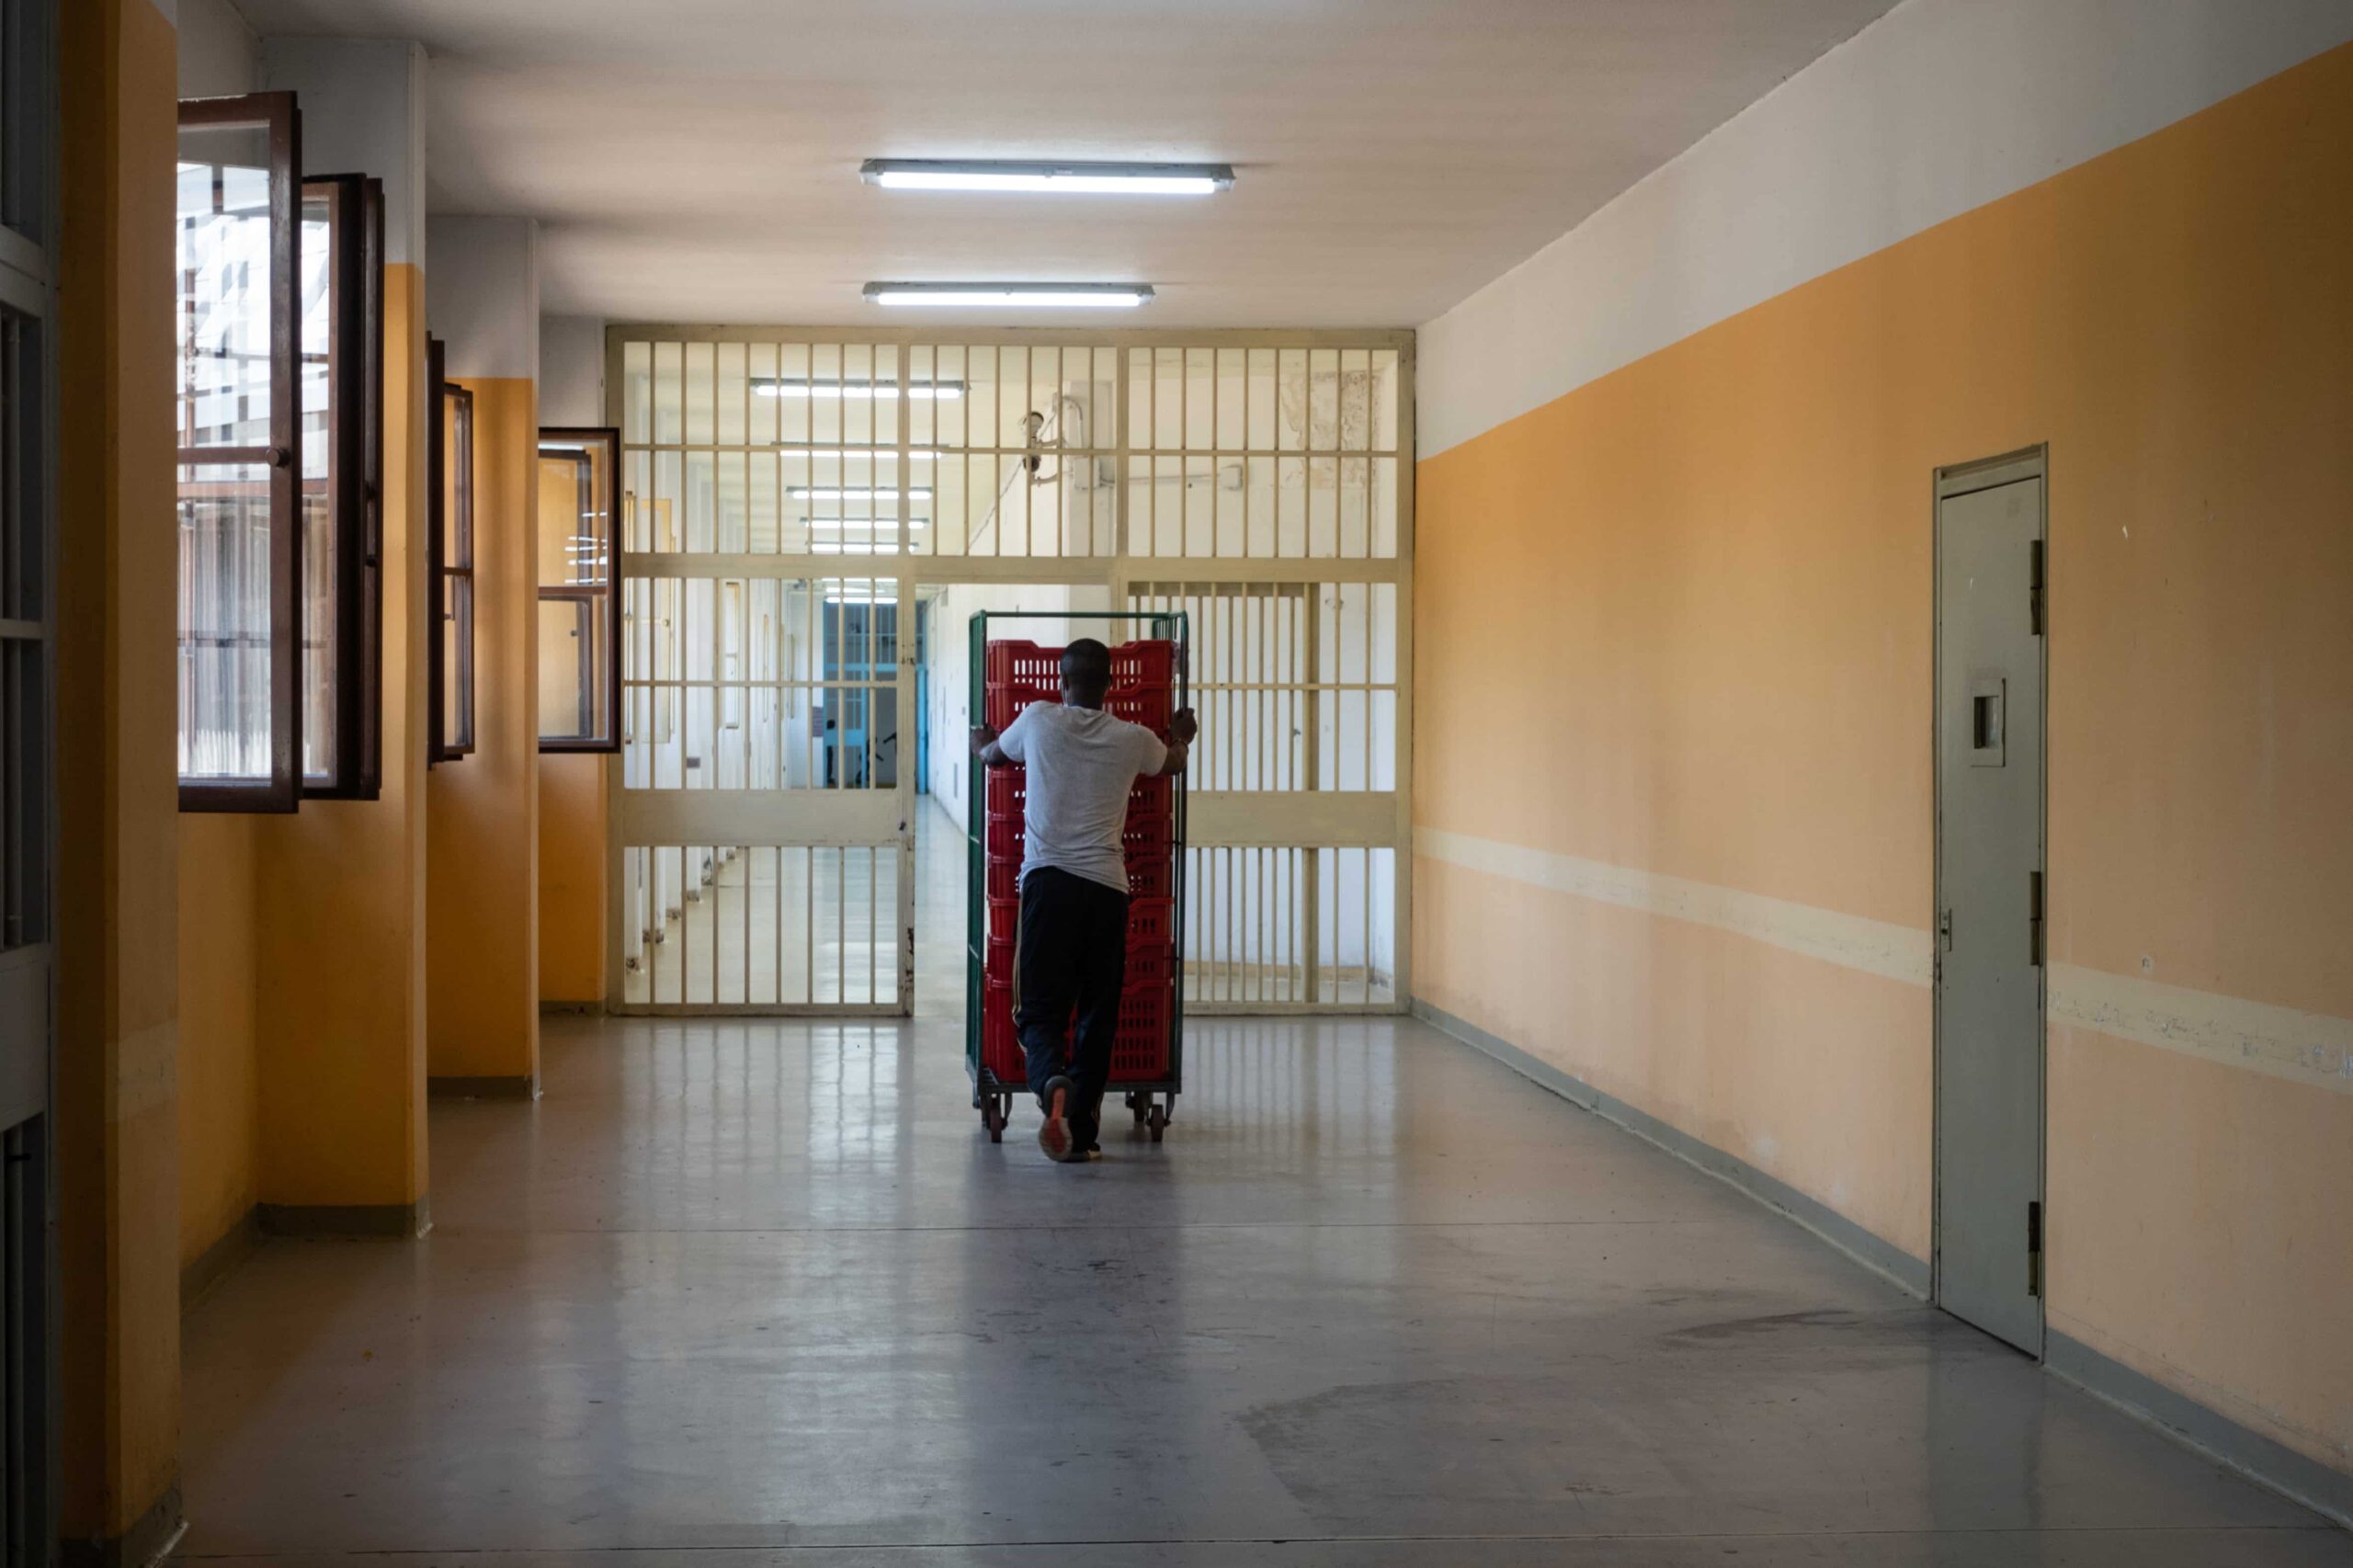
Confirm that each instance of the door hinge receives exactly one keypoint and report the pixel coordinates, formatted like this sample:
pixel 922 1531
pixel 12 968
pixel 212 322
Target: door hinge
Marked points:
pixel 2034 1249
pixel 2034 584
pixel 2034 918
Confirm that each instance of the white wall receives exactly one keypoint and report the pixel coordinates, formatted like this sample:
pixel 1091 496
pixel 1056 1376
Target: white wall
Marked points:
pixel 219 57
pixel 482 299
pixel 363 112
pixel 1995 96
pixel 571 370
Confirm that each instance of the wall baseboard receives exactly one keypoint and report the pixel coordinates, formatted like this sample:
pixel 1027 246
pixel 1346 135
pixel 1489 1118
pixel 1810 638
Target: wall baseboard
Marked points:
pixel 521 1088
pixel 2298 1477
pixel 215 1262
pixel 570 1009
pixel 1879 1255
pixel 321 1220
pixel 2303 1479
pixel 152 1538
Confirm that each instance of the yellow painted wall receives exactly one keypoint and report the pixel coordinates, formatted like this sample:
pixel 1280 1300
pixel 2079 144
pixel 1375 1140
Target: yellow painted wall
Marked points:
pixel 1680 620
pixel 572 878
pixel 484 827
pixel 118 896
pixel 340 927
pixel 219 1102
pixel 571 819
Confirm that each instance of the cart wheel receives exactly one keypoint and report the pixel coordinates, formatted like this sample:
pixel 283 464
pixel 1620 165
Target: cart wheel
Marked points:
pixel 1157 1122
pixel 1140 1105
pixel 992 1117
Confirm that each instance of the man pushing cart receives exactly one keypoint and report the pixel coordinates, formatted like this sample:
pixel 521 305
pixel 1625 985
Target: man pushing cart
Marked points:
pixel 1072 943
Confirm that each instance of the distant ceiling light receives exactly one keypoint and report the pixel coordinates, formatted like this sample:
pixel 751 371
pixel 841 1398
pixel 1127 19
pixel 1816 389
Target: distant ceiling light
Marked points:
pixel 917 391
pixel 866 525
pixel 1013 296
pixel 837 493
pixel 1061 179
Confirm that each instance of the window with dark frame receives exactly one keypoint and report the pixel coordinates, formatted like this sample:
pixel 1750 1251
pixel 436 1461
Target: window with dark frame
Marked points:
pixel 371 482
pixel 451 460
pixel 239 462
pixel 342 309
pixel 580 653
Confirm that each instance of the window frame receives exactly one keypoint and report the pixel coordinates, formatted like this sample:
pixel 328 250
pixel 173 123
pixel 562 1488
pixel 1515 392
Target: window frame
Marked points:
pixel 610 437
pixel 371 480
pixel 452 472
pixel 275 114
pixel 356 313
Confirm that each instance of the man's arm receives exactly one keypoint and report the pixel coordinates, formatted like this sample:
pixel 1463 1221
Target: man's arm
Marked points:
pixel 1182 728
pixel 986 749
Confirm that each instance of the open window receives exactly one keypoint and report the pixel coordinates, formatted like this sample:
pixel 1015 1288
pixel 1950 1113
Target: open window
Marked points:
pixel 342 411
pixel 580 653
pixel 239 462
pixel 450 458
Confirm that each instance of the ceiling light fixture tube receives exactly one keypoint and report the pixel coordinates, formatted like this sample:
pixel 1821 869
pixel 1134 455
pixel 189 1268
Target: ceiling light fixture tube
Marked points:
pixel 1013 296
pixel 1054 178
pixel 856 493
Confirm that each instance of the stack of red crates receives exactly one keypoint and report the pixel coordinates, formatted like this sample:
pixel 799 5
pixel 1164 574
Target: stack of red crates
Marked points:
pixel 1143 692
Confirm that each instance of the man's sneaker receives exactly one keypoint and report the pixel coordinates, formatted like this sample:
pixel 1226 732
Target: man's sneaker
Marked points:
pixel 1053 1133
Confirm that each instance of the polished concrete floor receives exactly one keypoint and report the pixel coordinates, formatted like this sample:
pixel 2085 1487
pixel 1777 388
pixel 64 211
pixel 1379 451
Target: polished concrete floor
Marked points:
pixel 738 1294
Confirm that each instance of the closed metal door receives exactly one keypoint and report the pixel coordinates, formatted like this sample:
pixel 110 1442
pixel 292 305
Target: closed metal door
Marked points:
pixel 1989 988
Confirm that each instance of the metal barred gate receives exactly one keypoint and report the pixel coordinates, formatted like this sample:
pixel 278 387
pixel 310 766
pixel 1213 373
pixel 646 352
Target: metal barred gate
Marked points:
pixel 791 496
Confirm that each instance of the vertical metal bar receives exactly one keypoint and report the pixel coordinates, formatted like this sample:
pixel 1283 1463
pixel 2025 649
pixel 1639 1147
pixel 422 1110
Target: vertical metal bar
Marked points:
pixel 1401 917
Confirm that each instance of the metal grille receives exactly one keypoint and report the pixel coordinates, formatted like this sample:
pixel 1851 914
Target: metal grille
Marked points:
pixel 1259 481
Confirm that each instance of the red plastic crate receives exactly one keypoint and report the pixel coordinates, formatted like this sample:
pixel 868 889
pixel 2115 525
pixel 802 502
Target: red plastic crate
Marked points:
pixel 1002 704
pixel 1011 662
pixel 1152 965
pixel 1149 663
pixel 1004 881
pixel 1147 837
pixel 1140 1053
pixel 1000 1048
pixel 1150 921
pixel 1151 797
pixel 1151 874
pixel 1004 838
pixel 1147 705
pixel 1004 927
pixel 1010 791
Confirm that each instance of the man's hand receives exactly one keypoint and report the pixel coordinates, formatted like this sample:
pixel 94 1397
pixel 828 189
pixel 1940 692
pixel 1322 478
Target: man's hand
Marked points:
pixel 1183 726
pixel 983 738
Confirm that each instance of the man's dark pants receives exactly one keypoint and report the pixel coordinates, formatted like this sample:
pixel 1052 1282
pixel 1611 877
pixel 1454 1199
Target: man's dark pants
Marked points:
pixel 1073 957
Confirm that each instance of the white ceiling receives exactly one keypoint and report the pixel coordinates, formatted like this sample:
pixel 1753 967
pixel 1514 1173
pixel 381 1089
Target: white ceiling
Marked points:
pixel 697 160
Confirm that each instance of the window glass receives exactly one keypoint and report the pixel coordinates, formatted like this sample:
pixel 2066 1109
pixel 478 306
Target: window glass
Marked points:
pixel 315 388
pixel 579 656
pixel 457 595
pixel 239 724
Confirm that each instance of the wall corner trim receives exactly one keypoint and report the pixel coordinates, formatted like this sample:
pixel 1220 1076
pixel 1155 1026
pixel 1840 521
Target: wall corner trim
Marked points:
pixel 217 1262
pixel 523 1087
pixel 1883 1257
pixel 152 1538
pixel 2298 1477
pixel 329 1220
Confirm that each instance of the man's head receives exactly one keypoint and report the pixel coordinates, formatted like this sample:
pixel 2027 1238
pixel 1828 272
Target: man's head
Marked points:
pixel 1087 674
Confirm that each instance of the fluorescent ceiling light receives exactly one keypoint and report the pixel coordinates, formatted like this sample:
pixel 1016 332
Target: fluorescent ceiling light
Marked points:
pixel 856 493
pixel 867 525
pixel 1059 178
pixel 796 386
pixel 1013 296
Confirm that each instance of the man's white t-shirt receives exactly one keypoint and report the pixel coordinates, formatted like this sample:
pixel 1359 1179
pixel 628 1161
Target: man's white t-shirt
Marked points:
pixel 1082 763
